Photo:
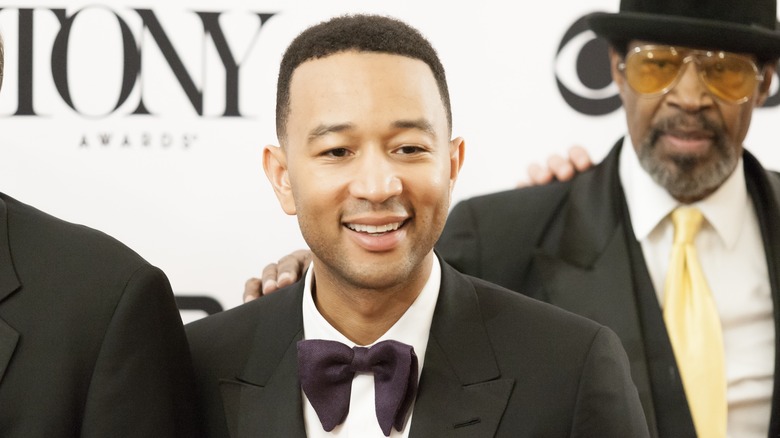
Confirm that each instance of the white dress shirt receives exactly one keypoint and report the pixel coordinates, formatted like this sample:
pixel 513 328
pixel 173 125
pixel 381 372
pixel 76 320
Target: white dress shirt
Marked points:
pixel 412 328
pixel 732 255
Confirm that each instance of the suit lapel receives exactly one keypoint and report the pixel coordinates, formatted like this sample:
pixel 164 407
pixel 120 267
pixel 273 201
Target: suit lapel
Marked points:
pixel 588 269
pixel 459 368
pixel 764 189
pixel 265 400
pixel 9 283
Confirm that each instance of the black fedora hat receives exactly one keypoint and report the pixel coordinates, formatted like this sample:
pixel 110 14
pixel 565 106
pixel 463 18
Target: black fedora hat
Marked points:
pixel 748 26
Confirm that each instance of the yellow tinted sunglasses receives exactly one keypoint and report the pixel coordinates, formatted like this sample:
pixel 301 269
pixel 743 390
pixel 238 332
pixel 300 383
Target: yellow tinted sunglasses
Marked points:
pixel 654 70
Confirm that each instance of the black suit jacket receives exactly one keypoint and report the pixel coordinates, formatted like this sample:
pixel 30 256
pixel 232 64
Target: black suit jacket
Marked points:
pixel 570 244
pixel 497 364
pixel 91 342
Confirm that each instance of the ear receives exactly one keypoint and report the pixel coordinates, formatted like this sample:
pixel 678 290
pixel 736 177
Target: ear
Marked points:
pixel 768 74
pixel 615 59
pixel 457 153
pixel 275 166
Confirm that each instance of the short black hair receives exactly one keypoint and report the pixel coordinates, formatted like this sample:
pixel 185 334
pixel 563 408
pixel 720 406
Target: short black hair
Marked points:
pixel 361 33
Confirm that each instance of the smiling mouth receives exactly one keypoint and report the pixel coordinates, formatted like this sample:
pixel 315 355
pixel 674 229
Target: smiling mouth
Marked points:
pixel 375 230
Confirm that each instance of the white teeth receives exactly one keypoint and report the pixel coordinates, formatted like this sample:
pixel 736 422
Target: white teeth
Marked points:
pixel 374 229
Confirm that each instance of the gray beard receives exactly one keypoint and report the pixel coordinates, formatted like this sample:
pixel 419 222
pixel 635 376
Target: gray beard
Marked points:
pixel 689 177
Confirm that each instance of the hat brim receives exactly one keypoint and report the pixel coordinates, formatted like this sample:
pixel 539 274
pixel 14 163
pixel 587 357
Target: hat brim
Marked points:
pixel 685 31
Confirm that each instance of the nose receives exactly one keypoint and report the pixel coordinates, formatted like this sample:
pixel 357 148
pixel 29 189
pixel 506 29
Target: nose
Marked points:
pixel 689 93
pixel 375 177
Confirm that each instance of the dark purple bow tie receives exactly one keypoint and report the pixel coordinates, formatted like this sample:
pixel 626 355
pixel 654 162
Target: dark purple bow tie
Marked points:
pixel 326 369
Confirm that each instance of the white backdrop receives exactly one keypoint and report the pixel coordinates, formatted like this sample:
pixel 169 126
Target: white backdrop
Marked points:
pixel 183 185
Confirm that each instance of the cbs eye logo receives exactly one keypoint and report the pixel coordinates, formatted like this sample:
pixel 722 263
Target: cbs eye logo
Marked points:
pixel 582 72
pixel 583 77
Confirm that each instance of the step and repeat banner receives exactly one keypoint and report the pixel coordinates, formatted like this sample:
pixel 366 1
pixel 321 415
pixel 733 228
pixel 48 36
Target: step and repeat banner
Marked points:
pixel 147 119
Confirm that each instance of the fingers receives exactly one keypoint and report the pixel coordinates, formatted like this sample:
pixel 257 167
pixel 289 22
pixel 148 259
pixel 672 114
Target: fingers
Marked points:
pixel 538 175
pixel 278 275
pixel 290 267
pixel 579 158
pixel 560 167
pixel 252 289
pixel 257 287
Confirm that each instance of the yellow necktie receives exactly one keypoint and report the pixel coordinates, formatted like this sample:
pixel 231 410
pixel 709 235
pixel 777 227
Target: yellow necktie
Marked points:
pixel 694 329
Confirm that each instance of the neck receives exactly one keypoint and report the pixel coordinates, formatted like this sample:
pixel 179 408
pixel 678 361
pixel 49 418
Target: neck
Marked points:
pixel 364 314
pixel 691 199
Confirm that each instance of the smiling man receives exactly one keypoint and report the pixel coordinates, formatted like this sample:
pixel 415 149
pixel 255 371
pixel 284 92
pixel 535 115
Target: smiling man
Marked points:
pixel 381 337
pixel 608 244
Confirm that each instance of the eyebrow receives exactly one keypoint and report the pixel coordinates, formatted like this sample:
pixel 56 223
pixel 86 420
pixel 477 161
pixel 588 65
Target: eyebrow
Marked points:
pixel 419 124
pixel 322 130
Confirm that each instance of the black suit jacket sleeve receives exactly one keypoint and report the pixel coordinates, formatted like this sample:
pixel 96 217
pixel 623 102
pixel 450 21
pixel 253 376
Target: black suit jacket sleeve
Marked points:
pixel 495 237
pixel 91 341
pixel 606 391
pixel 141 384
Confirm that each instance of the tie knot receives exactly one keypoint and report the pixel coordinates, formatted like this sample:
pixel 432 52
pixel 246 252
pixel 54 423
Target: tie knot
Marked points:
pixel 687 222
pixel 361 360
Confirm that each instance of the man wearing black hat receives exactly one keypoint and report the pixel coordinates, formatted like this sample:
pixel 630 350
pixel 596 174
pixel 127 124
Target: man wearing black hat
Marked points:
pixel 698 316
pixel 700 335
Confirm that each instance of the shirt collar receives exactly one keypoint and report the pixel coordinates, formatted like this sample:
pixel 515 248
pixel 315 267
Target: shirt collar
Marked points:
pixel 649 204
pixel 412 328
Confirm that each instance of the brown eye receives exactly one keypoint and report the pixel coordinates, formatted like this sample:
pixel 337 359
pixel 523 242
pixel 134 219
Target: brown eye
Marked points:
pixel 660 65
pixel 337 152
pixel 408 149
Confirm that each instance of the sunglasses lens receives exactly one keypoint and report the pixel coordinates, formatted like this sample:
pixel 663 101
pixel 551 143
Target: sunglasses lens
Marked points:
pixel 731 78
pixel 651 71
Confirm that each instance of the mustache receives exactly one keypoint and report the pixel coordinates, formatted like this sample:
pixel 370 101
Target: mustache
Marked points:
pixel 687 122
pixel 391 206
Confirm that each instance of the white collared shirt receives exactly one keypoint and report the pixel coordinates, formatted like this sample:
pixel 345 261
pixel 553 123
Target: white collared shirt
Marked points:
pixel 412 328
pixel 732 256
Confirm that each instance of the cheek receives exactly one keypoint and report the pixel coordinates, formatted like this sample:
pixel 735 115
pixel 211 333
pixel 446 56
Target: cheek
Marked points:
pixel 432 187
pixel 640 114
pixel 314 190
pixel 644 111
pixel 737 121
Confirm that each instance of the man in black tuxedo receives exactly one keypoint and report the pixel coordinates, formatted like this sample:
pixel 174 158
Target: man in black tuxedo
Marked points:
pixel 367 165
pixel 91 342
pixel 690 75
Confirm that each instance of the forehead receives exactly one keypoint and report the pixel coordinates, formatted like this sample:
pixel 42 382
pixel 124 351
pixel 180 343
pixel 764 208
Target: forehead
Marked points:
pixel 349 85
